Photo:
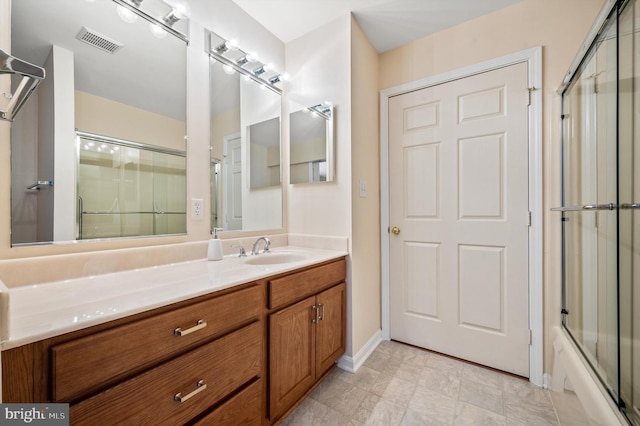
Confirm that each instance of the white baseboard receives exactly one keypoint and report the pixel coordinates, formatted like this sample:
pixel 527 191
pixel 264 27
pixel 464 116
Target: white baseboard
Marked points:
pixel 352 364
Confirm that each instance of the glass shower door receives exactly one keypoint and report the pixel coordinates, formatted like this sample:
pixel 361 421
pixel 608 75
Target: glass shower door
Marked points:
pixel 590 214
pixel 601 207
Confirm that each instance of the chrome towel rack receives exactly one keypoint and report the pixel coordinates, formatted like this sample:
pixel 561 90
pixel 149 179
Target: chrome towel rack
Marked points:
pixel 595 207
pixel 31 74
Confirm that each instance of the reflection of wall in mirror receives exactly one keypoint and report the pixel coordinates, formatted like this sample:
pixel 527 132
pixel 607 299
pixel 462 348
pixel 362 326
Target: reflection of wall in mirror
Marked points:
pixel 133 124
pixel 303 156
pixel 261 209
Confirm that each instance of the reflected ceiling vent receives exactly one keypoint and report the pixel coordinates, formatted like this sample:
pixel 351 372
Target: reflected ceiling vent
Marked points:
pixel 98 40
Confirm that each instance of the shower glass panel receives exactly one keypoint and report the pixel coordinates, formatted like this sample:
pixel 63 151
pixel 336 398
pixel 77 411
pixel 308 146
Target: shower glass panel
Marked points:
pixel 114 199
pixel 629 219
pixel 601 203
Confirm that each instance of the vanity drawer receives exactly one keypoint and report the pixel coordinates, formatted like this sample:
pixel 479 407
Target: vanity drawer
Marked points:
pixel 152 397
pixel 244 408
pixel 291 288
pixel 95 361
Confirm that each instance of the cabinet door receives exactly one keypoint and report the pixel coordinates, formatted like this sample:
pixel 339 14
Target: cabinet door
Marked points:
pixel 331 329
pixel 292 355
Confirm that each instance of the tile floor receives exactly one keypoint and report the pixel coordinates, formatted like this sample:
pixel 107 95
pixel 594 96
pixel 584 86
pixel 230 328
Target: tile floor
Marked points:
pixel 403 385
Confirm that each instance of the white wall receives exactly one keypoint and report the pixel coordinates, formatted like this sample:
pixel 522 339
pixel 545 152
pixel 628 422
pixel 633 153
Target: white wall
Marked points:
pixel 64 158
pixel 320 70
pixel 319 66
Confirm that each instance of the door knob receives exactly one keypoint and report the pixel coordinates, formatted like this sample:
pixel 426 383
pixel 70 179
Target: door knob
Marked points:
pixel 395 230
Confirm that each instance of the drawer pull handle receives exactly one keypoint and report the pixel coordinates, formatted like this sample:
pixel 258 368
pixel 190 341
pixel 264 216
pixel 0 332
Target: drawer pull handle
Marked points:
pixel 320 312
pixel 199 325
pixel 200 386
pixel 314 314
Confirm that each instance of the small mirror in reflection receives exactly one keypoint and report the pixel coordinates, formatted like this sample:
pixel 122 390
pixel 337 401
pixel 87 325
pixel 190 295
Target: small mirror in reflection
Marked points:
pixel 311 144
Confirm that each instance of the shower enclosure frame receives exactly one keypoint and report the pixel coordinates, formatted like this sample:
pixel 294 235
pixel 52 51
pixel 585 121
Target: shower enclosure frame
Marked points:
pixel 599 100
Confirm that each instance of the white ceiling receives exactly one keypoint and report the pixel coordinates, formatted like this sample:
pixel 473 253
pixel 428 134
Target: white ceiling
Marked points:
pixel 387 23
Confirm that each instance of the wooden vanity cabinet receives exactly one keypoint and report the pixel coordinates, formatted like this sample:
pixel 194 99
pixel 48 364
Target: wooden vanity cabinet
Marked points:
pixel 173 365
pixel 201 361
pixel 306 337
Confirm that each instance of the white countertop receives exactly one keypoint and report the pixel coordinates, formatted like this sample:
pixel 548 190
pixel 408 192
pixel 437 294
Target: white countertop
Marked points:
pixel 45 310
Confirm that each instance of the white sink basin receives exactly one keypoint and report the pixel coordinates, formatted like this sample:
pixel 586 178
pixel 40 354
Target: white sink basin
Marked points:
pixel 274 258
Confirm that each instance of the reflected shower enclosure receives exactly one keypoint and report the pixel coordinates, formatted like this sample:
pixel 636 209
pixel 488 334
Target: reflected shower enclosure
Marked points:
pixel 127 189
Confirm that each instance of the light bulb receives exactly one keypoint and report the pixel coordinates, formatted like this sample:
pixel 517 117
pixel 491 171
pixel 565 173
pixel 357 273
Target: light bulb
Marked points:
pixel 231 44
pixel 228 69
pixel 157 30
pixel 126 15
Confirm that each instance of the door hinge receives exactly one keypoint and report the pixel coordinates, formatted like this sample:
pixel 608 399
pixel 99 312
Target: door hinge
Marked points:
pixel 529 90
pixel 529 218
pixel 530 337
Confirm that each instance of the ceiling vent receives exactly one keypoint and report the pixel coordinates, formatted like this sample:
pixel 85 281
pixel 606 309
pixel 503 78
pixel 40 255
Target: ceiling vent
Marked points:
pixel 98 40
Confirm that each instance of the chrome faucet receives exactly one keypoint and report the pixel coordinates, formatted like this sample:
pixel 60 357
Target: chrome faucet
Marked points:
pixel 256 246
pixel 242 253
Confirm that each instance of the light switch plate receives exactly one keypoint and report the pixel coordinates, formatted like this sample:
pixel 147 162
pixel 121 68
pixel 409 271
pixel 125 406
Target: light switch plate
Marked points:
pixel 363 188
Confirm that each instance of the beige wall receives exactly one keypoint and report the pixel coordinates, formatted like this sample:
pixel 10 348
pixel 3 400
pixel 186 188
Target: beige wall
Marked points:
pixel 102 116
pixel 223 125
pixel 560 28
pixel 365 166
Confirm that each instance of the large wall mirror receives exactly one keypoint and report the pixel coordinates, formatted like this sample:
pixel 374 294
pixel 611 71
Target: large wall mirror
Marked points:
pixel 246 189
pixel 311 144
pixel 98 151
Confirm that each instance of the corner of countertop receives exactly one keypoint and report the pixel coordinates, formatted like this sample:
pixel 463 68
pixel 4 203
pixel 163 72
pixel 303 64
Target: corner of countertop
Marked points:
pixel 4 313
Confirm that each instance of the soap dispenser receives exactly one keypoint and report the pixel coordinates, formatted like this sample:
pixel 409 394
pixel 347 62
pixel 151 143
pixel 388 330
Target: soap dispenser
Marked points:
pixel 214 251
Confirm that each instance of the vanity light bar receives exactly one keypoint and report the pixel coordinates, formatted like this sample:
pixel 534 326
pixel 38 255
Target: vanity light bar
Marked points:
pixel 162 23
pixel 323 110
pixel 216 51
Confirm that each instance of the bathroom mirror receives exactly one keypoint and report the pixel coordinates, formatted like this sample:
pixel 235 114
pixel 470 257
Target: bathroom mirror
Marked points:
pixel 98 151
pixel 246 192
pixel 311 144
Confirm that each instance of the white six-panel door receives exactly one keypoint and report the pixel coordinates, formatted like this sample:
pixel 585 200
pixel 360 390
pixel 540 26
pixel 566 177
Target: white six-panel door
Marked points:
pixel 233 187
pixel 458 180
